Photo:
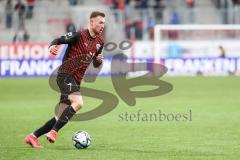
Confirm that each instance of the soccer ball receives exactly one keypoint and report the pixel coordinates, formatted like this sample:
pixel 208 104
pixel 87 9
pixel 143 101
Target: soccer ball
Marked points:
pixel 81 140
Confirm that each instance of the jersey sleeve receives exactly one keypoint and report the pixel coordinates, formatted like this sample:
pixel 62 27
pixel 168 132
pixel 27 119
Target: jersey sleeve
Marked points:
pixel 68 38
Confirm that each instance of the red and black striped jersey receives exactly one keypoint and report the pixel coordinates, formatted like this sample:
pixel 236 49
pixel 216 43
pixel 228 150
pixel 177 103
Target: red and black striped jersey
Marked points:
pixel 82 50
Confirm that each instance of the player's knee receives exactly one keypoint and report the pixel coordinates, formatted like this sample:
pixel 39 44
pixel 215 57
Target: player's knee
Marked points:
pixel 77 103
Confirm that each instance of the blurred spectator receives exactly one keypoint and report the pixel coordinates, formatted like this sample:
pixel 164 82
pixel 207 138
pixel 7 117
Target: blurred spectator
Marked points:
pixel 172 34
pixel 70 27
pixel 9 12
pixel 190 3
pixel 20 8
pixel 236 2
pixel 108 3
pixel 73 2
pixel 138 25
pixel 141 4
pixel 30 8
pixel 222 52
pixel 121 5
pixel 134 29
pixel 21 36
pixel 158 11
pixel 236 11
pixel 150 27
pixel 223 6
pixel 174 19
pixel 217 3
pixel 225 13
pixel 128 28
pixel 116 4
pixel 158 3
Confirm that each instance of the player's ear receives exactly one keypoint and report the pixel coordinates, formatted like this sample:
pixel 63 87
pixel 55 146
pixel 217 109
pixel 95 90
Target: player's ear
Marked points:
pixel 91 21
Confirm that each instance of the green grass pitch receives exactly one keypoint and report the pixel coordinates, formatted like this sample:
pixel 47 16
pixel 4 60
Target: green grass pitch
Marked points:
pixel 213 132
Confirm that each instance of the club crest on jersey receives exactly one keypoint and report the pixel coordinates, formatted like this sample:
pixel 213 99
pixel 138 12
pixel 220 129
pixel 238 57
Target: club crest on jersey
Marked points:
pixel 98 46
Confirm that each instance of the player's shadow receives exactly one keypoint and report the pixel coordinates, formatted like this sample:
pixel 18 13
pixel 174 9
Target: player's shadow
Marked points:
pixel 125 150
pixel 64 148
pixel 168 153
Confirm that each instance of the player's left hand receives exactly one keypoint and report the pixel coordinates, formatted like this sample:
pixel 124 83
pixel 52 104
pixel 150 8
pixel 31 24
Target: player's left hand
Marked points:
pixel 99 58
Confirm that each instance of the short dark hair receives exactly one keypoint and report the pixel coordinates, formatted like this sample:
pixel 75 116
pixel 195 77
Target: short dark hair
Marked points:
pixel 97 13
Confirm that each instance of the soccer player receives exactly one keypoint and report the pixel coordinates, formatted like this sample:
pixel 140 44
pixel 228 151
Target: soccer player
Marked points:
pixel 84 47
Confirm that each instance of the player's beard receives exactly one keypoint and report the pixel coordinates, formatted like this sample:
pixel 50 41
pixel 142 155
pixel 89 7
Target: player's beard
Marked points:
pixel 97 32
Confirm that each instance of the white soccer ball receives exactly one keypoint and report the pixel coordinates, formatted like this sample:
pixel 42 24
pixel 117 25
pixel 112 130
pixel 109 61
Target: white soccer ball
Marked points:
pixel 81 139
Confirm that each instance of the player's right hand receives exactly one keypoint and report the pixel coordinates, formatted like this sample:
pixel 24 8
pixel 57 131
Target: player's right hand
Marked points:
pixel 99 58
pixel 53 50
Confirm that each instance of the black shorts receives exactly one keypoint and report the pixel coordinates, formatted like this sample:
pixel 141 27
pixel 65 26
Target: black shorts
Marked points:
pixel 67 85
